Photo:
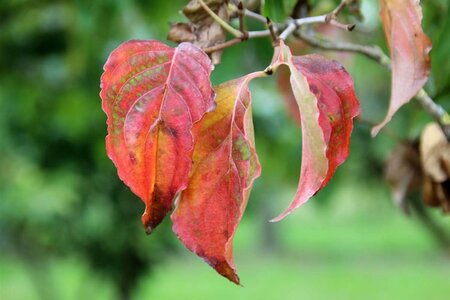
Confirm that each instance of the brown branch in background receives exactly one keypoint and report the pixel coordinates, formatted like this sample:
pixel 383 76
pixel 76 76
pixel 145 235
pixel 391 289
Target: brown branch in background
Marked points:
pixel 436 111
pixel 375 53
pixel 254 15
pixel 273 34
pixel 338 9
pixel 437 231
pixel 331 17
pixel 348 27
pixel 372 52
pixel 241 16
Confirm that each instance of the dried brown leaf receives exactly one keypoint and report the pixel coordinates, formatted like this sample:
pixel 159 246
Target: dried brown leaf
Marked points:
pixel 181 32
pixel 202 30
pixel 435 159
pixel 403 173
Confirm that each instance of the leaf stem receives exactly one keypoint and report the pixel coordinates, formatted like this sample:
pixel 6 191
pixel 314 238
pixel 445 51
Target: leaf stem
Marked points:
pixel 241 16
pixel 224 24
pixel 338 9
pixel 273 34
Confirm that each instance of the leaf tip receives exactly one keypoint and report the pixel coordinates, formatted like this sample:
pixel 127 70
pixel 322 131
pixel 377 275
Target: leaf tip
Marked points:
pixel 279 217
pixel 228 272
pixel 376 129
pixel 148 229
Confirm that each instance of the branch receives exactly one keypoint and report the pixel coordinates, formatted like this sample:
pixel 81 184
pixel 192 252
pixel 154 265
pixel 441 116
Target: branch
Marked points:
pixel 273 34
pixel 375 53
pixel 222 46
pixel 437 231
pixel 372 52
pixel 338 9
pixel 286 29
pixel 436 111
pixel 253 15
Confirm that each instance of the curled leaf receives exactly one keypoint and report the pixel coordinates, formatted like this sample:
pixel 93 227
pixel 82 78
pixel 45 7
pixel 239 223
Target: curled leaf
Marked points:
pixel 225 165
pixel 327 102
pixel 409 48
pixel 152 95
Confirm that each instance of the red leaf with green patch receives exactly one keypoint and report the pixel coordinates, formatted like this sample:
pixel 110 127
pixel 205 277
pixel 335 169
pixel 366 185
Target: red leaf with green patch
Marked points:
pixel 327 102
pixel 152 95
pixel 225 165
pixel 409 48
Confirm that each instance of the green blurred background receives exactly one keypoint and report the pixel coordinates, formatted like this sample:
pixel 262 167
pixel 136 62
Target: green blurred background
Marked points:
pixel 69 229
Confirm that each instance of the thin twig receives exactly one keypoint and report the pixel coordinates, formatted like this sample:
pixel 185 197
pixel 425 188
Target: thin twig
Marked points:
pixel 288 31
pixel 372 52
pixel 339 8
pixel 436 111
pixel 258 34
pixel 310 20
pixel 348 27
pixel 254 15
pixel 222 46
pixel 273 34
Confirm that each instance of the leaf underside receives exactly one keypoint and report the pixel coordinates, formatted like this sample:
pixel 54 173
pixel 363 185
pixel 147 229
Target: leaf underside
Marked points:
pixel 168 137
pixel 152 95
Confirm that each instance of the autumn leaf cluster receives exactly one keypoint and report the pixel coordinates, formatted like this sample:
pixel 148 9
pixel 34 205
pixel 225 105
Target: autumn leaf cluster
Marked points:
pixel 185 146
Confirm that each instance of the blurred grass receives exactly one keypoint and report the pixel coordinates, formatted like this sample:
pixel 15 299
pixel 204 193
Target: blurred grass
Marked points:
pixel 338 253
pixel 278 278
pixel 342 253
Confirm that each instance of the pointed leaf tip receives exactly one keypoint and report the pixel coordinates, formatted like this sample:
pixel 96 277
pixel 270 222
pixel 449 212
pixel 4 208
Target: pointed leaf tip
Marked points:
pixel 225 164
pixel 152 95
pixel 409 49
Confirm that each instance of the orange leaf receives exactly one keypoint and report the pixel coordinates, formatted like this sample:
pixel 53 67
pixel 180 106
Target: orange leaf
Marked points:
pixel 225 165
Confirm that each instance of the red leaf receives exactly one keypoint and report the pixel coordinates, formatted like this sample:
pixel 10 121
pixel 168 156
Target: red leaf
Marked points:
pixel 325 96
pixel 409 48
pixel 152 95
pixel 225 165
pixel 338 105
